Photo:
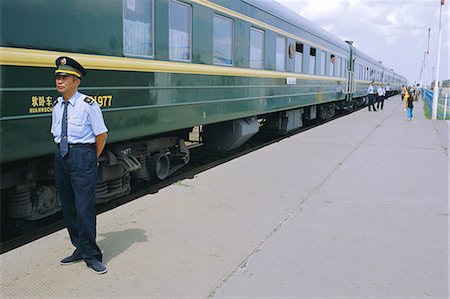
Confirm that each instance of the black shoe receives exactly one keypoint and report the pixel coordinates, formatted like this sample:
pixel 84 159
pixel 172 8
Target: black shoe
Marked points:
pixel 75 257
pixel 98 267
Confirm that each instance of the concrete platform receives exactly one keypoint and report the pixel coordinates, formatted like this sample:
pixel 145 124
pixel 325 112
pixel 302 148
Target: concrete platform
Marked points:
pixel 354 208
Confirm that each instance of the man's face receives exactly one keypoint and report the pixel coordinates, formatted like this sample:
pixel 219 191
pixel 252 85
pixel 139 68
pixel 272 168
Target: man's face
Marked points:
pixel 67 85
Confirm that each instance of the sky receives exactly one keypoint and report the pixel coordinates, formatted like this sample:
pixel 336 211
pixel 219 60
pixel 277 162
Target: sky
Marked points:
pixel 392 31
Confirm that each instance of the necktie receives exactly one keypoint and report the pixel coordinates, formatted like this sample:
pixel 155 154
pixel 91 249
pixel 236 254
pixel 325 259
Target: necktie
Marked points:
pixel 64 144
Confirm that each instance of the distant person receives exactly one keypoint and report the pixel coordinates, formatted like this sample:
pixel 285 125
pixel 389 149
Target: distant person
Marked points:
pixel 80 133
pixel 381 93
pixel 417 94
pixel 406 96
pixel 409 107
pixel 412 92
pixel 371 96
pixel 402 91
pixel 388 91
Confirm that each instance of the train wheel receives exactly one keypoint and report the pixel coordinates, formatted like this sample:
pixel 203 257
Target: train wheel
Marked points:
pixel 159 166
pixel 331 111
pixel 326 112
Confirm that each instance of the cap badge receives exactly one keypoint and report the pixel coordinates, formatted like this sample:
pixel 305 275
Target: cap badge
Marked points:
pixel 63 61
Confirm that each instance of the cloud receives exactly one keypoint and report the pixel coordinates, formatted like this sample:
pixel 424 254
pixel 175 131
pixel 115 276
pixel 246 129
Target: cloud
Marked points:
pixel 394 32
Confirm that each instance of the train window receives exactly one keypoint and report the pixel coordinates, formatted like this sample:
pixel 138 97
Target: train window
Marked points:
pixel 257 48
pixel 332 62
pixel 280 56
pixel 322 62
pixel 138 28
pixel 222 40
pixel 338 67
pixel 298 57
pixel 180 16
pixel 312 61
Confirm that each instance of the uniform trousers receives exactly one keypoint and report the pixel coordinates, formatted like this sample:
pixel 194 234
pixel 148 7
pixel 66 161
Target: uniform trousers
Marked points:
pixel 380 102
pixel 76 178
pixel 372 102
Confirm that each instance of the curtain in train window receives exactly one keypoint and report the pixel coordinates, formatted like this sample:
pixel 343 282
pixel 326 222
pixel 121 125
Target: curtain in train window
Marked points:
pixel 280 57
pixel 222 40
pixel 138 27
pixel 256 48
pixel 179 31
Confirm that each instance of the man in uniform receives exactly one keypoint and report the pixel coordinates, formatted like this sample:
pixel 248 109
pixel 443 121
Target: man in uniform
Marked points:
pixel 371 96
pixel 80 133
pixel 381 92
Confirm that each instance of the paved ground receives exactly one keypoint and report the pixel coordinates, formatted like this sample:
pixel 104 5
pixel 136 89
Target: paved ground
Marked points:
pixel 354 208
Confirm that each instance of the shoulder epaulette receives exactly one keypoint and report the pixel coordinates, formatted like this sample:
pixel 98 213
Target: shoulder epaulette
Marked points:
pixel 89 100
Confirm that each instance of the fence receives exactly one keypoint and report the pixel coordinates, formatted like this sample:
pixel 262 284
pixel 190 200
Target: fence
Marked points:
pixel 443 111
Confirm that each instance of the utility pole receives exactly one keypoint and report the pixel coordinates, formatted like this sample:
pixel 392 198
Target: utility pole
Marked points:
pixel 422 69
pixel 426 61
pixel 436 82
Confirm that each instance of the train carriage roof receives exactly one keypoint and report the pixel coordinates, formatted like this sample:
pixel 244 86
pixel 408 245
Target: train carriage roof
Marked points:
pixel 280 11
pixel 362 55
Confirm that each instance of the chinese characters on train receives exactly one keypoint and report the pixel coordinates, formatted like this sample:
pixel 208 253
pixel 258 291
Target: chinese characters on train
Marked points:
pixel 44 103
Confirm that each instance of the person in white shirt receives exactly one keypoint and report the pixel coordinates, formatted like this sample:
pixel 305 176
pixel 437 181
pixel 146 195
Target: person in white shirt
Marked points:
pixel 381 92
pixel 371 96
pixel 388 90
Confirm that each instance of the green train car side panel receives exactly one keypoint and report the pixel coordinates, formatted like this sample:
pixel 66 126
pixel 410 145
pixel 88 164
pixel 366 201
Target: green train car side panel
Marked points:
pixel 141 104
pixel 28 137
pixel 121 89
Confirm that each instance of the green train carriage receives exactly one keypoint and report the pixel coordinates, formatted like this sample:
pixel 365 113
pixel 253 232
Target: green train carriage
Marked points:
pixel 159 68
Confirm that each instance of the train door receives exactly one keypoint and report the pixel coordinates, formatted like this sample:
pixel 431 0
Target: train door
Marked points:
pixel 350 76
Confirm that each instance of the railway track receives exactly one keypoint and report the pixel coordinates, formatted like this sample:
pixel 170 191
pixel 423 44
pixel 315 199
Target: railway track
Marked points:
pixel 201 160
